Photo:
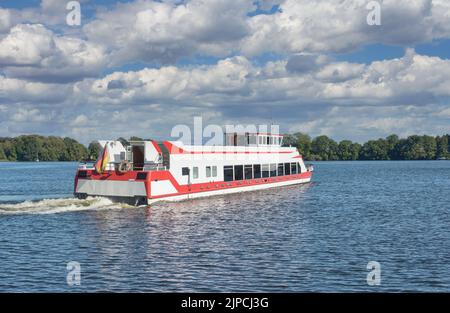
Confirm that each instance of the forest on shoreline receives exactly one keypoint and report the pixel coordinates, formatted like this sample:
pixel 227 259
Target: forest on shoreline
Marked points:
pixel 321 148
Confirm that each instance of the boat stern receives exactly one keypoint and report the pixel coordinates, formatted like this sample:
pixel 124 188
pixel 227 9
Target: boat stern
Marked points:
pixel 130 187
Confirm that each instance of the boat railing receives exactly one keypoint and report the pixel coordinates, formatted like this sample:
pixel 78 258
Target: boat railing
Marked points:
pixel 154 167
pixel 114 165
pixel 86 166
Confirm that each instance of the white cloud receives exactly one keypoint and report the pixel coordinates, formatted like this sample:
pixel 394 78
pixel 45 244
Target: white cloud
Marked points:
pixel 16 91
pixel 34 52
pixel 338 26
pixel 163 32
pixel 51 78
pixel 32 115
pixel 5 20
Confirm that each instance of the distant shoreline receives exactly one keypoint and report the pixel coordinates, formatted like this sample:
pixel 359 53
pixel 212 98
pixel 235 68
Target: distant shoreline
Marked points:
pixel 28 148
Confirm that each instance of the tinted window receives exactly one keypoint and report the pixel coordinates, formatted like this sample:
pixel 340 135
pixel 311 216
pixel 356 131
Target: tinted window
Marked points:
pixel 238 172
pixel 248 172
pixel 293 168
pixel 141 176
pixel 214 171
pixel 195 174
pixel 185 171
pixel 257 171
pixel 299 168
pixel 273 170
pixel 208 171
pixel 265 170
pixel 82 174
pixel 287 168
pixel 280 169
pixel 228 173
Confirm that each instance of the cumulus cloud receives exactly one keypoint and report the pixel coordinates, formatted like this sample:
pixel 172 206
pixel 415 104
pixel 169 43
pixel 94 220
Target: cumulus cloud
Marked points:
pixel 34 52
pixel 15 91
pixel 5 20
pixel 340 26
pixel 152 31
pixel 52 80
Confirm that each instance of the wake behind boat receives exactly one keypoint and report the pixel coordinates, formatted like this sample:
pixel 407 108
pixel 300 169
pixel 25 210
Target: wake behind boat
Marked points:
pixel 148 171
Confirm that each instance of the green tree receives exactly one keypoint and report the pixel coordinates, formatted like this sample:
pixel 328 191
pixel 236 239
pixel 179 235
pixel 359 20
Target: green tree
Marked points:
pixel 123 141
pixel 10 150
pixel 94 150
pixel 417 148
pixel 2 153
pixel 442 148
pixel 324 148
pixel 304 144
pixel 28 147
pixel 392 142
pixel 348 151
pixel 430 147
pixel 375 150
pixel 75 151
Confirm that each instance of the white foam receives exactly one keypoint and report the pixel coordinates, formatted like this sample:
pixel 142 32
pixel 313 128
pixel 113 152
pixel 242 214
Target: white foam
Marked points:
pixel 51 206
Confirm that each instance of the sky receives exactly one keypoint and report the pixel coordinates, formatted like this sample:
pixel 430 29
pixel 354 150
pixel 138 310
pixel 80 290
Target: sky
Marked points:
pixel 141 67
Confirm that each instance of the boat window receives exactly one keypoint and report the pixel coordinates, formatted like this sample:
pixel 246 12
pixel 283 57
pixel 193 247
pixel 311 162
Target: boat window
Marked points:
pixel 248 172
pixel 228 173
pixel 294 168
pixel 138 157
pixel 271 140
pixel 241 140
pixel 281 169
pixel 299 168
pixel 214 171
pixel 252 140
pixel 238 172
pixel 257 171
pixel 273 170
pixel 267 140
pixel 195 172
pixel 287 168
pixel 265 170
pixel 208 171
pixel 185 171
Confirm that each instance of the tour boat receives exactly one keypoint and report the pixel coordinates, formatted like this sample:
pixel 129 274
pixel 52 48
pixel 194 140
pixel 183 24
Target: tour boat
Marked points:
pixel 144 172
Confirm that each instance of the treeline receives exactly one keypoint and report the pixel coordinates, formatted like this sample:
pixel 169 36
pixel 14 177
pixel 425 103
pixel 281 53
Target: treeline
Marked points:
pixel 415 147
pixel 321 148
pixel 32 147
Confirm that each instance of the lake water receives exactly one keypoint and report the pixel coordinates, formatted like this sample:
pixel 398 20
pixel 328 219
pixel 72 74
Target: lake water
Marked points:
pixel 316 237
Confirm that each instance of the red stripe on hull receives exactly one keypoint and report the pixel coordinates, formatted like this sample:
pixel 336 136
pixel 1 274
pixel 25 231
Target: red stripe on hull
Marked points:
pixel 212 186
pixel 187 189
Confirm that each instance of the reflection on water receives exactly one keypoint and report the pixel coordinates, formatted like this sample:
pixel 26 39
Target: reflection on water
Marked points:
pixel 315 237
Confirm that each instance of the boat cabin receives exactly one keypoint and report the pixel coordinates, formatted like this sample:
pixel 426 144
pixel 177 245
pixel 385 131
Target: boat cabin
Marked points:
pixel 253 139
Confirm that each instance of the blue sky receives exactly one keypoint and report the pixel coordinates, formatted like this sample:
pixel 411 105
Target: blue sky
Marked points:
pixel 311 66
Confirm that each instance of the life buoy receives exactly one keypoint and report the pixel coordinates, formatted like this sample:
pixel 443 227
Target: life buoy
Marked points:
pixel 124 167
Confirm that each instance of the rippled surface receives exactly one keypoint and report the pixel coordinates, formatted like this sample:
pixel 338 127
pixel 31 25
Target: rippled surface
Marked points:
pixel 316 237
